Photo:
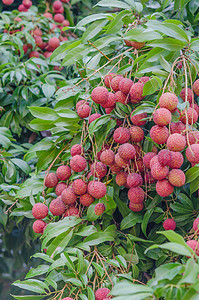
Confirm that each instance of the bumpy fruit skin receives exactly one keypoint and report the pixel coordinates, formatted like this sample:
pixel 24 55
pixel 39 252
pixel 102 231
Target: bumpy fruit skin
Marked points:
pixel 164 157
pixel 136 207
pixel 159 134
pixel 121 178
pixel 178 127
pixel 67 298
pixel 68 196
pixel 196 87
pixel 96 189
pixel 83 111
pixel 158 172
pixel 99 209
pixel 194 245
pixel 134 180
pixel 38 226
pixel 193 137
pixel 195 106
pixel 63 172
pixel 137 119
pixel 115 83
pixel 136 195
pixel 98 169
pixel 78 163
pixel 147 158
pixel 54 42
pixel 127 151
pixel 121 97
pixel 7 2
pixel 72 211
pixel 195 225
pixel 149 178
pixel 177 160
pixel 190 95
pixel 110 103
pixel 59 188
pixel 39 211
pixel 58 18
pixel 162 117
pixel 79 186
pixel 108 78
pixel 136 92
pixel 138 165
pixel 57 207
pixel 99 95
pixel 153 161
pixel 191 115
pixel 176 177
pixel 144 79
pixel 93 117
pixel 81 102
pixel 169 224
pixel 123 163
pixel 121 135
pixel 86 199
pixel 169 101
pixel 57 4
pixel 192 153
pixel 51 180
pixel 176 142
pixel 115 168
pixel 164 188
pixel 101 293
pixel 125 85
pixel 76 150
pixel 107 157
pixel 137 134
pixel 48 15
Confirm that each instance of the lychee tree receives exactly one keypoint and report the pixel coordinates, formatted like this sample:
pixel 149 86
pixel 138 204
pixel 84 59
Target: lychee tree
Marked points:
pixel 121 163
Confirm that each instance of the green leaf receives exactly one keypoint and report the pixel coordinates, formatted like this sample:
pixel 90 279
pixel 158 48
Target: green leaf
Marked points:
pixel 131 220
pixel 192 174
pixel 41 269
pixel 28 297
pixel 127 288
pixel 21 164
pixel 169 44
pixel 98 238
pixel 66 258
pixel 141 35
pixel 113 3
pixel 92 18
pixel 43 113
pixel 41 125
pixel 93 30
pixel 117 22
pixel 48 90
pixel 60 242
pixel 152 86
pixel 194 186
pixel 145 220
pixel 98 123
pixel 32 285
pixel 174 247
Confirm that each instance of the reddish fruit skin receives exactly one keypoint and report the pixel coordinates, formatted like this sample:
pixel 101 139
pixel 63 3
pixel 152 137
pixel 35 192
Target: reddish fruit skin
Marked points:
pixel 81 102
pixel 93 117
pixel 110 103
pixel 27 3
pixel 98 169
pixel 191 115
pixel 196 87
pixel 72 211
pixel 127 151
pixel 147 158
pixel 134 180
pixel 136 92
pixel 57 4
pixel 107 157
pixel 169 224
pixel 39 211
pixel 162 117
pixel 63 172
pixel 123 163
pixel 194 245
pixel 121 97
pixel 54 42
pixel 7 2
pixel 159 134
pixel 76 150
pixel 192 153
pixel 109 110
pixel 99 209
pixel 169 101
pixel 164 188
pixel 22 8
pixel 144 79
pixel 115 168
pixel 193 137
pixel 178 127
pixel 125 85
pixel 195 225
pixel 137 119
pixel 78 163
pixel 101 293
pixel 137 45
pixel 38 226
pixel 149 178
pixel 136 207
pixel 59 188
pixel 121 178
pixel 115 83
pixel 121 135
pixel 48 15
pixel 99 94
pixel 58 18
pixel 176 142
pixel 68 196
pixel 79 187
pixel 176 177
pixel 57 207
pixel 153 161
pixel 34 54
pixel 107 79
pixel 96 189
pixel 158 172
pixel 51 180
pixel 86 199
pixel 137 134
pixel 190 95
pixel 164 157
pixel 67 298
pixel 136 195
pixel 83 111
pixel 176 160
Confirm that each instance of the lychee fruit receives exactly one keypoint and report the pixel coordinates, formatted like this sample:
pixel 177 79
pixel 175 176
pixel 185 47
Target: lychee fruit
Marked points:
pixel 98 169
pixel 59 18
pixel 144 79
pixel 79 186
pixel 153 161
pixel 22 8
pixel 147 158
pixel 178 127
pixel 159 172
pixel 99 94
pixel 136 92
pixel 177 160
pixel 78 163
pixel 159 134
pixel 115 168
pixel 76 149
pixel 137 45
pixel 121 97
pixel 33 54
pixel 107 157
pixel 169 224
pixel 192 153
pixel 137 134
pixel 134 180
pixel 136 195
pixel 136 207
pixel 108 110
pixel 190 95
pixel 63 172
pixel 164 188
pixel 7 2
pixel 57 207
pixel 191 115
pixel 99 209
pixel 39 211
pixel 164 157
pixel 72 211
pixel 81 102
pixel 101 293
pixel 125 85
pixel 38 226
pixel 110 103
pixel 195 106
pixel 57 4
pixel 176 142
pixel 196 87
pixel 194 245
pixel 138 165
pixel 27 3
pixel 162 117
pixel 51 180
pixel 168 101
pixel 195 225
pixel 59 188
pixel 127 151
pixel 108 78
pixel 93 117
pixel 149 178
pixel 68 196
pixel 121 135
pixel 86 199
pixel 138 119
pixel 97 189
pixel 83 111
pixel 193 137
pixel 54 42
pixel 115 83
pixel 67 298
pixel 123 163
pixel 176 177
pixel 48 15
pixel 121 178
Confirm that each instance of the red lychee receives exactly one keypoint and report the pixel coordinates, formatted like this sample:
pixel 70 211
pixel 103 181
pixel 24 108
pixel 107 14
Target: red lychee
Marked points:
pixel 39 211
pixel 115 83
pixel 86 199
pixel 38 41
pixel 101 293
pixel 153 161
pixel 33 54
pixel 134 180
pixel 54 42
pixel 99 94
pixel 38 226
pixel 125 85
pixel 7 2
pixel 48 15
pixel 57 4
pixel 147 158
pixel 176 160
pixel 195 225
pixel 121 178
pixel 192 153
pixel 159 134
pixel 63 172
pixel 176 142
pixel 190 95
pixel 115 168
pixel 123 163
pixel 144 79
pixel 93 117
pixel 78 163
pixel 72 211
pixel 97 189
pixel 196 87
pixel 108 78
pixel 21 8
pixel 138 119
pixel 194 245
pixel 169 101
pixel 176 177
pixel 67 298
pixel 98 169
pixel 127 151
pixel 99 209
pixel 121 97
pixel 136 207
pixel 121 135
pixel 81 102
pixel 136 92
pixel 83 111
pixel 51 180
pixel 27 3
pixel 79 186
pixel 138 165
pixel 136 195
pixel 109 110
pixel 149 178
pixel 164 157
pixel 110 103
pixel 178 127
pixel 169 224
pixel 164 188
pixel 57 207
pixel 162 117
pixel 137 134
pixel 191 115
pixel 68 196
pixel 195 106
pixel 59 188
pixel 58 18
pixel 107 157
pixel 193 137
pixel 76 149
pixel 159 172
